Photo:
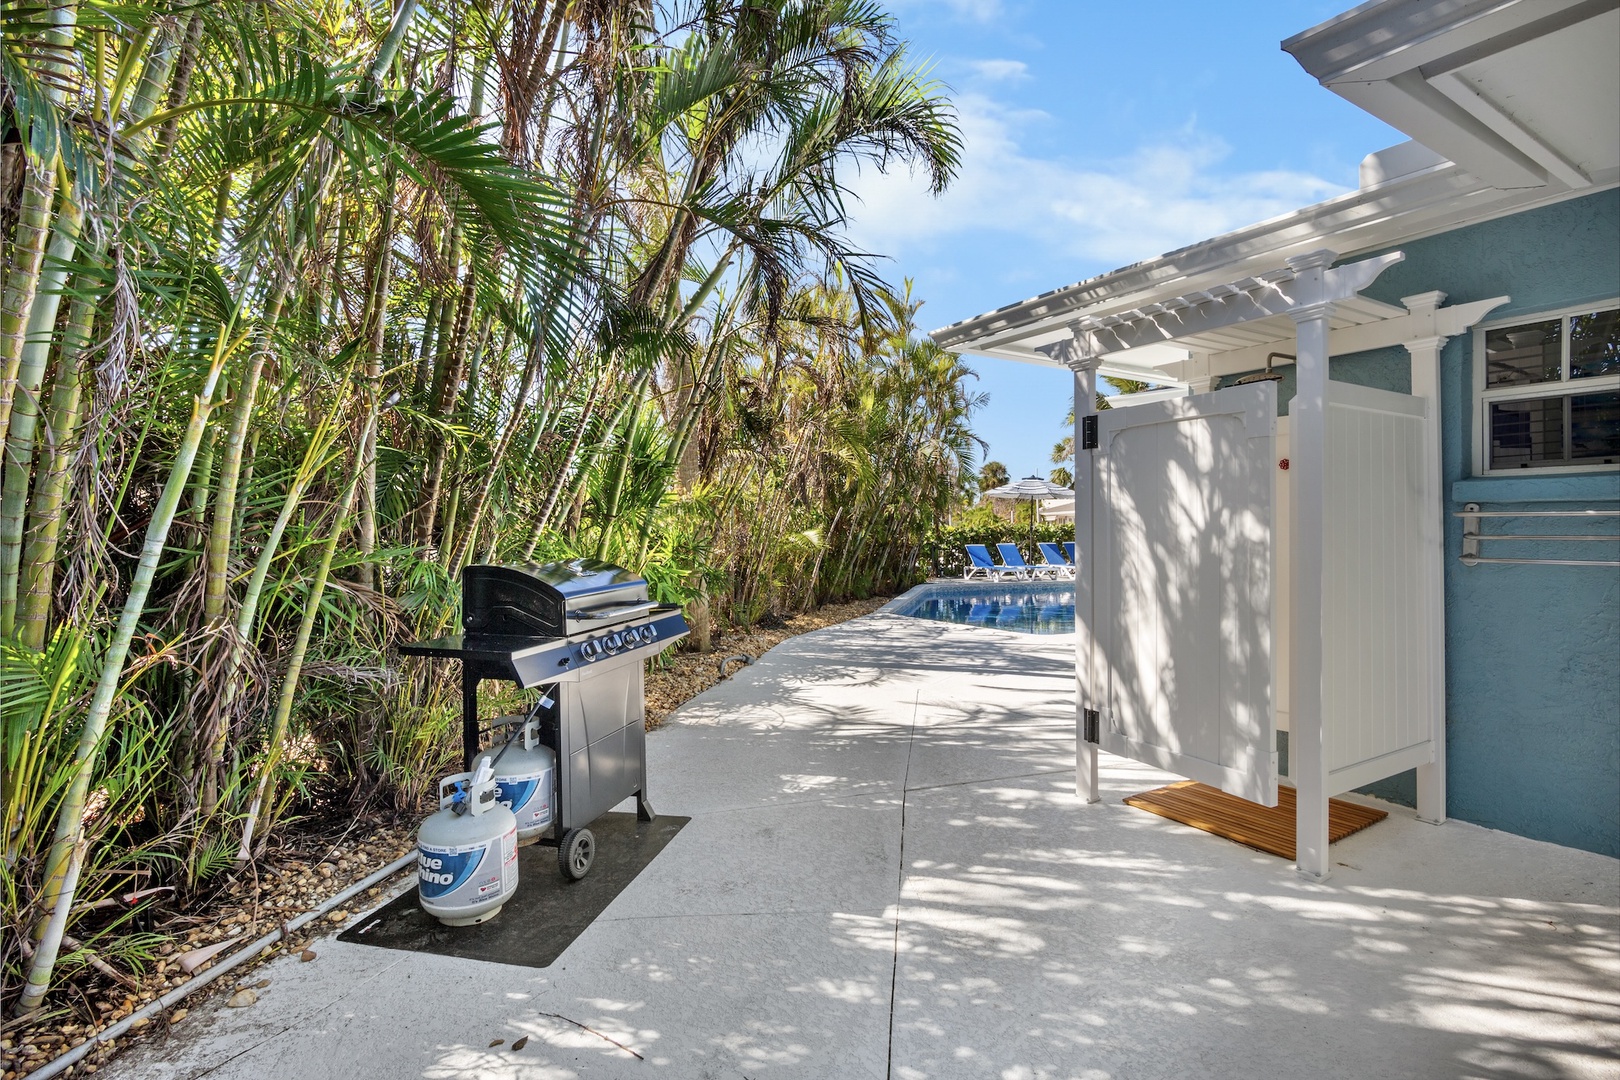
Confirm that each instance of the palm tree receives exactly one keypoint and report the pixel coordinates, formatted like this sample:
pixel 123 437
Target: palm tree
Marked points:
pixel 304 310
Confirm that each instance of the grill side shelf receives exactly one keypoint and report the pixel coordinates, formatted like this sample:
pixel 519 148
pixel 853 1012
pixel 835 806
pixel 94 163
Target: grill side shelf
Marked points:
pixel 531 662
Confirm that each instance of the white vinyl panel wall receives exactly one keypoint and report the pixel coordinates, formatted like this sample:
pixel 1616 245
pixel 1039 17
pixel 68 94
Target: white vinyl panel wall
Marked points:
pixel 1375 674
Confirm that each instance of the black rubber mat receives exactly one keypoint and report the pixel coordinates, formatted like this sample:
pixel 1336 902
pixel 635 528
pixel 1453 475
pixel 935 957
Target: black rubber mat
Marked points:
pixel 546 913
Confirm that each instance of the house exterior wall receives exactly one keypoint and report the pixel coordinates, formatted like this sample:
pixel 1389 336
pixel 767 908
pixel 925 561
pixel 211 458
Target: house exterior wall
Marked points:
pixel 1532 652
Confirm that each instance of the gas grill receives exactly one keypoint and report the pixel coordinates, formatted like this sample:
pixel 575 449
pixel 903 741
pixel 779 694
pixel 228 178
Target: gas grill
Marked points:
pixel 579 630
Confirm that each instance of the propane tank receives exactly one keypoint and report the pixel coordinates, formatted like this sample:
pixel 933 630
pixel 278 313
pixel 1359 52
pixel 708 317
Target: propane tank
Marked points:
pixel 466 859
pixel 525 781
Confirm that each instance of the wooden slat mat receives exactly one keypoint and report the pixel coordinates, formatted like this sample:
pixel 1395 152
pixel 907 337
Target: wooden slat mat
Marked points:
pixel 1265 828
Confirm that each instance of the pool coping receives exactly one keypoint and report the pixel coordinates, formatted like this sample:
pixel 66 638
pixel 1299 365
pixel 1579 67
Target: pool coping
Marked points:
pixel 906 598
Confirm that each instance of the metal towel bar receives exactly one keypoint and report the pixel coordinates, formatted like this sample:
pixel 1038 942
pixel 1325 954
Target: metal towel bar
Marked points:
pixel 1472 537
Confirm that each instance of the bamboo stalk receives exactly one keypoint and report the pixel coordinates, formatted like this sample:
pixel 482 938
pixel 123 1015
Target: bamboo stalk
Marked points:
pixel 225 502
pixel 447 383
pixel 561 484
pixel 63 418
pixel 19 443
pixel 397 27
pixel 314 460
pixel 66 858
pixel 376 329
pixel 24 260
pixel 215 582
pixel 295 663
pixel 180 85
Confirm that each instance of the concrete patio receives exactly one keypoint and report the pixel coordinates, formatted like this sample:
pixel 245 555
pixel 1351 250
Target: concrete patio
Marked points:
pixel 887 874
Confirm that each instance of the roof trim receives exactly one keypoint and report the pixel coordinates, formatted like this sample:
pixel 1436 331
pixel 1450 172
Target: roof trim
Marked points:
pixel 1430 201
pixel 1380 29
pixel 1386 37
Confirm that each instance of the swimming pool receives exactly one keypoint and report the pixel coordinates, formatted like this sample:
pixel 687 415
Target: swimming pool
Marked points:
pixel 1026 607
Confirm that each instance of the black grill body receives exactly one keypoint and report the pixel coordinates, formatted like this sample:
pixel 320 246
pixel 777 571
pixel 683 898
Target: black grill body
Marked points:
pixel 549 599
pixel 580 630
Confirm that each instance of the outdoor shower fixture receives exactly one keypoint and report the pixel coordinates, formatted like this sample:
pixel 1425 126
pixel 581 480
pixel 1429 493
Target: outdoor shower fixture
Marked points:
pixel 1267 375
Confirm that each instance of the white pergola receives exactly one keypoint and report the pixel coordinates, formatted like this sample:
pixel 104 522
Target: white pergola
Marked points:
pixel 1230 328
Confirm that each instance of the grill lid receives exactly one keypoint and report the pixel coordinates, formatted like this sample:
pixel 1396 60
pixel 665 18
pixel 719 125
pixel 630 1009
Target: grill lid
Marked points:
pixel 549 599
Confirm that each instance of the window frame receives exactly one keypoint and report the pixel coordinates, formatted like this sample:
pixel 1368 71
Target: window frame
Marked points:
pixel 1485 396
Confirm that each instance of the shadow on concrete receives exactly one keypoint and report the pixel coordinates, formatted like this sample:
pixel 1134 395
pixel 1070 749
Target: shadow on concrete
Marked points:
pixel 1135 949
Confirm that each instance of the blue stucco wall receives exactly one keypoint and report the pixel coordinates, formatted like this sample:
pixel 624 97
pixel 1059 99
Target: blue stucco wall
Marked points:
pixel 1532 652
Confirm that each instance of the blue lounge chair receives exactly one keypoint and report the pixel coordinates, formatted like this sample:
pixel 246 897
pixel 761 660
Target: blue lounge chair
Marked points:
pixel 1068 549
pixel 1014 559
pixel 1052 555
pixel 980 564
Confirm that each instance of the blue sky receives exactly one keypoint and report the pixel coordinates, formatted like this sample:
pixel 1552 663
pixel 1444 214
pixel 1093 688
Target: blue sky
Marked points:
pixel 1100 133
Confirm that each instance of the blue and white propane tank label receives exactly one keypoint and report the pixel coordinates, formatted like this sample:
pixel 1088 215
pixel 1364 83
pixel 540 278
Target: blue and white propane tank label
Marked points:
pixel 464 875
pixel 527 798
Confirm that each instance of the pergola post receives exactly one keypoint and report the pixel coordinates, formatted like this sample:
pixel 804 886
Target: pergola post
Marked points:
pixel 1196 374
pixel 1078 354
pixel 1307 751
pixel 1425 358
pixel 1085 757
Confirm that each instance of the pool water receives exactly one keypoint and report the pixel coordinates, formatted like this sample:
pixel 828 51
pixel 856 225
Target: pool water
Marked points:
pixel 1025 608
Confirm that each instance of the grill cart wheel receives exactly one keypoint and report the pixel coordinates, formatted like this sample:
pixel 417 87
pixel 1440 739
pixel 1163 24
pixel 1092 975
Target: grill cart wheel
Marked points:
pixel 575 853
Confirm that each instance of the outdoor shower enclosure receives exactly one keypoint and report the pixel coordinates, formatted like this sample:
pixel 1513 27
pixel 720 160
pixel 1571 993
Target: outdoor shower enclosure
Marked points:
pixel 1242 573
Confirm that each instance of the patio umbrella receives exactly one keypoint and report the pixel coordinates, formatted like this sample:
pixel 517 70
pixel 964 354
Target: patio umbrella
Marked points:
pixel 1030 489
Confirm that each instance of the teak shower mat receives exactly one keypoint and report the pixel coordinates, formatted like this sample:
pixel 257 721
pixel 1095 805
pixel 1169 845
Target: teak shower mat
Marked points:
pixel 1265 828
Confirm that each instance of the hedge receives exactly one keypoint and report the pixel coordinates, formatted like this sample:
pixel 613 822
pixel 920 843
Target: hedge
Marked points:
pixel 945 555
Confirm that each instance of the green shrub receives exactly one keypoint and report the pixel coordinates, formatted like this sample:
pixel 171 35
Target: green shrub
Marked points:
pixel 945 555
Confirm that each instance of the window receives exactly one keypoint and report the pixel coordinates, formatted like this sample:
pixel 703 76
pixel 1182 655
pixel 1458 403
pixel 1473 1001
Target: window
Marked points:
pixel 1549 392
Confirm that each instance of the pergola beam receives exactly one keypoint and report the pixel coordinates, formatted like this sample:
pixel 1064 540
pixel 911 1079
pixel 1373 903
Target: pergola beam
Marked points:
pixel 1417 324
pixel 1275 292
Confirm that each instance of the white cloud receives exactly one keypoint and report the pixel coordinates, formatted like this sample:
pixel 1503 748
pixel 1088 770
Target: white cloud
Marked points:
pixel 981 11
pixel 999 70
pixel 1163 194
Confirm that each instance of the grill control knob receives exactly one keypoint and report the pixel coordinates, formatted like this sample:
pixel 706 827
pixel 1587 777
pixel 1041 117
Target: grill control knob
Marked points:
pixel 590 650
pixel 613 642
pixel 632 636
pixel 649 633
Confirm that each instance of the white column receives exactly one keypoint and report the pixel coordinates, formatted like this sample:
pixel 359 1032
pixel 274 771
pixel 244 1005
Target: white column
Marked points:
pixel 1085 753
pixel 1307 758
pixel 1425 354
pixel 1195 370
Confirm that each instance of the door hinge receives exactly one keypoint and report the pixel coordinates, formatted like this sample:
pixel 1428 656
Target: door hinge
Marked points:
pixel 1091 725
pixel 1088 432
